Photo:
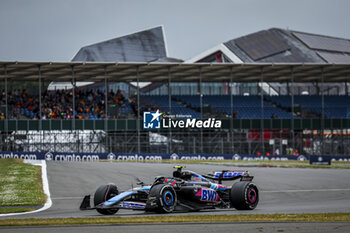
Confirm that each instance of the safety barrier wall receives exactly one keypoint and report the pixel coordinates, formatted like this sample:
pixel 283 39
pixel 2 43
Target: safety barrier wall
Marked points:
pixel 91 157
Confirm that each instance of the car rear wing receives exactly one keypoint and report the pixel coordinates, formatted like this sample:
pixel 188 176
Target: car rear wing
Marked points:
pixel 229 175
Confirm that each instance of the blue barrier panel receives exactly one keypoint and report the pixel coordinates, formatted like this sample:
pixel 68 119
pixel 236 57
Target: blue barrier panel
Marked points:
pixel 320 160
pixel 89 157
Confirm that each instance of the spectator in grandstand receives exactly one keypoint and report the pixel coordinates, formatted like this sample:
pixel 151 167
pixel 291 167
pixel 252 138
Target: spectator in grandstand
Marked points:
pixel 235 114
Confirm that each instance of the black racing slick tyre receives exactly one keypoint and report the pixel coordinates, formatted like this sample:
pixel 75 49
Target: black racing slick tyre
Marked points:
pixel 102 194
pixel 244 195
pixel 165 197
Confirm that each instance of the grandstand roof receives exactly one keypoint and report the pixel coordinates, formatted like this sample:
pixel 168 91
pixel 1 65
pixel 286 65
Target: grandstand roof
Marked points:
pixel 143 46
pixel 273 45
pixel 282 46
pixel 180 72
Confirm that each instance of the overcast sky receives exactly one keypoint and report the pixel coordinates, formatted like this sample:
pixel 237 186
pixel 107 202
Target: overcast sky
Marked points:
pixel 54 30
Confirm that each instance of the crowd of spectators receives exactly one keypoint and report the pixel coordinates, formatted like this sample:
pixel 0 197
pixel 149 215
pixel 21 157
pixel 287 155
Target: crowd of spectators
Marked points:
pixel 58 104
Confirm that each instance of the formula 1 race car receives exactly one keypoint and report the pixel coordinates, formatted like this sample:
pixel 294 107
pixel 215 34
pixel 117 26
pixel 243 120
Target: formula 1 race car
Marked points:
pixel 185 191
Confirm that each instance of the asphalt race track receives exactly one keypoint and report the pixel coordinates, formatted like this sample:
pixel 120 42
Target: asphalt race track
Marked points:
pixel 318 227
pixel 283 190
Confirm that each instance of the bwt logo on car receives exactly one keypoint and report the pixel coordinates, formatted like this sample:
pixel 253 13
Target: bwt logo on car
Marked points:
pixel 151 120
pixel 209 195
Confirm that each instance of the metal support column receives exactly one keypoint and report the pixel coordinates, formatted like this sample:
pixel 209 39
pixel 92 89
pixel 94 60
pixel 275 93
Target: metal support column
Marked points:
pixel 231 105
pixel 6 97
pixel 292 108
pixel 76 133
pixel 262 135
pixel 106 97
pixel 106 111
pixel 169 147
pixel 73 96
pixel 40 111
pixel 6 108
pixel 201 103
pixel 138 111
pixel 322 120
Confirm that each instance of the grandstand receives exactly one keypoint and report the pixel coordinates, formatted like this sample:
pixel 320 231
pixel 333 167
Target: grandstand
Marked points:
pixel 251 124
pixel 266 106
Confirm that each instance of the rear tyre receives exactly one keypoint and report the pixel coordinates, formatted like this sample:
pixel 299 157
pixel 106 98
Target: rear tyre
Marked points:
pixel 102 194
pixel 244 195
pixel 165 197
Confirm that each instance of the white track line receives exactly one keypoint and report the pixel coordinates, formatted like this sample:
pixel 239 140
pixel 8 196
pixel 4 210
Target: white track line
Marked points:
pixel 67 198
pixel 45 181
pixel 304 190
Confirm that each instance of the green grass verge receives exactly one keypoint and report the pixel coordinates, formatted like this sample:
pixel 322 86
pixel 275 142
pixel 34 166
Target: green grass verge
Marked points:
pixel 263 163
pixel 15 210
pixel 327 217
pixel 20 184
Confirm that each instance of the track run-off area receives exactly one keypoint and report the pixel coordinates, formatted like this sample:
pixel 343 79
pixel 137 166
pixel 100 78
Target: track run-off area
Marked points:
pixel 282 190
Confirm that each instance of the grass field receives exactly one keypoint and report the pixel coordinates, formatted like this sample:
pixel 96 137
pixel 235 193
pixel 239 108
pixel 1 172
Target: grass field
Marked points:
pixel 14 210
pixel 20 185
pixel 327 217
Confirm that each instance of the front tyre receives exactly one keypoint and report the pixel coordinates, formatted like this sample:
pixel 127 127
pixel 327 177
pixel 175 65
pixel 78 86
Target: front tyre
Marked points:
pixel 102 194
pixel 244 195
pixel 164 196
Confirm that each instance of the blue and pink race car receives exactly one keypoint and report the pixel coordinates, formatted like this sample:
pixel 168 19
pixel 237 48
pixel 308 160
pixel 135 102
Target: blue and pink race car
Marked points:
pixel 184 191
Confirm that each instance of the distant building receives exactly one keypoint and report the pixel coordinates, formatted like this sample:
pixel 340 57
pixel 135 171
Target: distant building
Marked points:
pixel 279 46
pixel 143 46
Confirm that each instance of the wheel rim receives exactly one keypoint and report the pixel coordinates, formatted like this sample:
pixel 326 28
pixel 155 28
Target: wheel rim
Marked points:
pixel 168 198
pixel 252 195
